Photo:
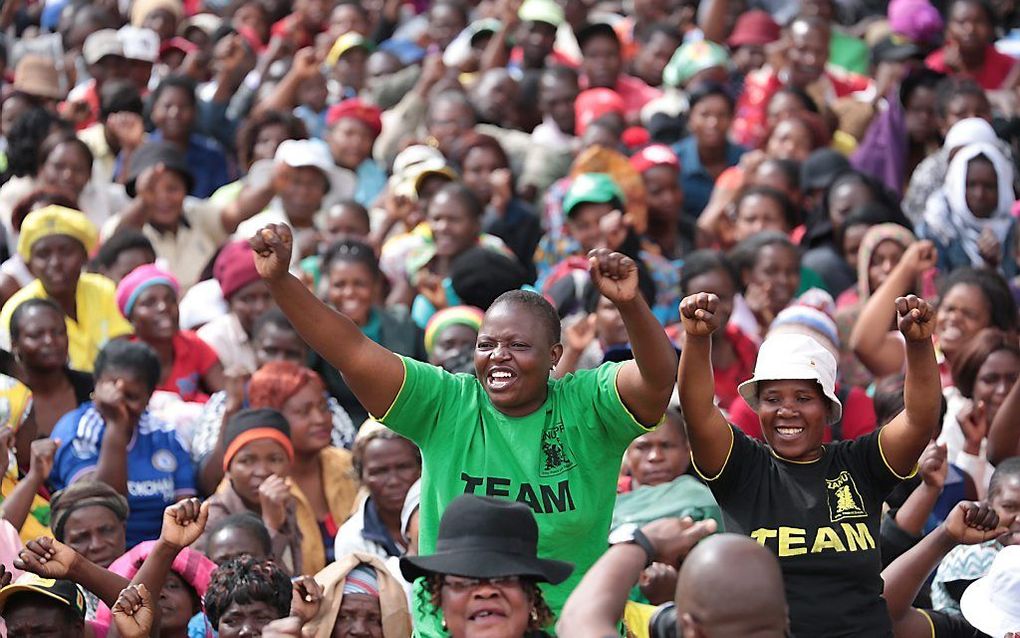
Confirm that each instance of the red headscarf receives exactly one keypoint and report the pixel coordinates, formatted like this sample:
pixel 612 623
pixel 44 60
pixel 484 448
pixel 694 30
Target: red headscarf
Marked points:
pixel 276 382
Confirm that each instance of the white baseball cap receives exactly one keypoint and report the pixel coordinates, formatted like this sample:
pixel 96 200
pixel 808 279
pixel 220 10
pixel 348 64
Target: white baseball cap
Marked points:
pixel 100 44
pixel 315 154
pixel 794 356
pixel 992 603
pixel 139 44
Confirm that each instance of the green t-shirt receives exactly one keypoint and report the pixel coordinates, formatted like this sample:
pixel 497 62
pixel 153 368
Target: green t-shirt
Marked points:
pixel 562 460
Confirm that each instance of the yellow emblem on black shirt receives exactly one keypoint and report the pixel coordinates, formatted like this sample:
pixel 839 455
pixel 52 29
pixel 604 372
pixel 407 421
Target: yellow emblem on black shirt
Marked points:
pixel 844 499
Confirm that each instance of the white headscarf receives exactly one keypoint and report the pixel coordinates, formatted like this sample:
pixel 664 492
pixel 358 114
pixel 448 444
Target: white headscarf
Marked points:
pixel 947 216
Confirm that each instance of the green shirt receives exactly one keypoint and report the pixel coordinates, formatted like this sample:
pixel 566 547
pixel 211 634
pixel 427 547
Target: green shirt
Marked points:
pixel 562 460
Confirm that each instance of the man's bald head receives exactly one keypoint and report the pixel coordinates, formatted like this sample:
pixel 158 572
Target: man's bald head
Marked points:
pixel 730 585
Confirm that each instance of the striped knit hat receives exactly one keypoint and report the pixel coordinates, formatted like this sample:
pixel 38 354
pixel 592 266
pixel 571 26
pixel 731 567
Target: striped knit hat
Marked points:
pixel 455 316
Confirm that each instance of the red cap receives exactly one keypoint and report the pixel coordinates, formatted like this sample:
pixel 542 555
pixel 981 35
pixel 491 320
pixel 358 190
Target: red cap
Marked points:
pixel 234 267
pixel 592 104
pixel 367 114
pixel 652 156
pixel 755 28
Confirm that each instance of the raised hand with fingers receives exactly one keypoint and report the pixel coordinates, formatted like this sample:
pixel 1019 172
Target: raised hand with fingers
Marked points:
pixel 973 420
pixel 934 465
pixel 184 522
pixel 43 452
pixel 273 246
pixel 920 257
pixel 614 274
pixel 972 523
pixel 698 313
pixel 109 400
pixel 579 335
pixel 306 598
pixel 275 498
pixel 47 557
pixel 916 318
pixel 133 612
pixel 674 538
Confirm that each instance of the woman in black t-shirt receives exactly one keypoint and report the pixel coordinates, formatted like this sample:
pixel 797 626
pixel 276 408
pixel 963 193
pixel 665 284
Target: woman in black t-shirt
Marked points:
pixel 817 506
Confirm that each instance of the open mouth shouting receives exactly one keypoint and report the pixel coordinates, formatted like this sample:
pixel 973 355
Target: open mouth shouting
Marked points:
pixel 500 378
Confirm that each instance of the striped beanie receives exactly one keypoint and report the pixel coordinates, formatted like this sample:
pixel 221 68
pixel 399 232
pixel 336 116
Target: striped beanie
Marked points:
pixel 810 314
pixel 362 580
pixel 455 316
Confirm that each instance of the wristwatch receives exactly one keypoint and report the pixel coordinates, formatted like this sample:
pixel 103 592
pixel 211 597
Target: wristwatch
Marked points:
pixel 630 533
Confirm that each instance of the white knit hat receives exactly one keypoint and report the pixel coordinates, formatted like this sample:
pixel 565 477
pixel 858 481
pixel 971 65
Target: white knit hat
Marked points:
pixel 794 356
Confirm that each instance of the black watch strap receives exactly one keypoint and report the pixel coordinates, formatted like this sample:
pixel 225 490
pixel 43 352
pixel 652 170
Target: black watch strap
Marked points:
pixel 642 541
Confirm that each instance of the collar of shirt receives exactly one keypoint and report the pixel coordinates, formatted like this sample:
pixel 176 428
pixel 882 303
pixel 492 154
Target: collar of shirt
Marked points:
pixel 375 530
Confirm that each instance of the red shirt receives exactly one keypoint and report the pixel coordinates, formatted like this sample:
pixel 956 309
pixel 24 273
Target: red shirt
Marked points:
pixel 858 417
pixel 727 380
pixel 992 74
pixel 192 359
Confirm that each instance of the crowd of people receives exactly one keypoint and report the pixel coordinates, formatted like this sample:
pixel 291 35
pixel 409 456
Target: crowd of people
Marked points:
pixel 509 318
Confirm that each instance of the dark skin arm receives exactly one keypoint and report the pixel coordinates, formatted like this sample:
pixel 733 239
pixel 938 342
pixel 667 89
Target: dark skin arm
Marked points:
pixel 1004 433
pixel 50 558
pixel 211 472
pixel 967 524
pixel 120 425
pixel 646 383
pixel 596 605
pixel 709 434
pixel 871 340
pixel 17 506
pixel 713 20
pixel 906 436
pixel 374 374
pixel 914 512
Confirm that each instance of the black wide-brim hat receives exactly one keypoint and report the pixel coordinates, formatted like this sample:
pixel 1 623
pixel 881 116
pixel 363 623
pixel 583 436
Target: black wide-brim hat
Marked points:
pixel 483 537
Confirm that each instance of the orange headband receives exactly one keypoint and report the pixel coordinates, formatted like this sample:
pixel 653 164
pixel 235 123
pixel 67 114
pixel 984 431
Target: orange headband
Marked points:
pixel 246 437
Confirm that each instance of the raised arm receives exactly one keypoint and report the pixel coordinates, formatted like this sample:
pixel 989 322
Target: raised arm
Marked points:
pixel 596 606
pixel 18 504
pixel 120 426
pixel 374 373
pixel 1004 433
pixel 646 383
pixel 906 436
pixel 933 466
pixel 50 558
pixel 710 435
pixel 872 341
pixel 967 524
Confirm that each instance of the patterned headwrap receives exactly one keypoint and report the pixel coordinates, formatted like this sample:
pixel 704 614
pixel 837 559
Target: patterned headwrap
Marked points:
pixel 691 59
pixel 362 580
pixel 872 238
pixel 455 316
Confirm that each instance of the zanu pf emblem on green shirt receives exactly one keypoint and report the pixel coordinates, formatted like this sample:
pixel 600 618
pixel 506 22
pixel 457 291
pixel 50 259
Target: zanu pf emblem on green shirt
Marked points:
pixel 844 499
pixel 556 457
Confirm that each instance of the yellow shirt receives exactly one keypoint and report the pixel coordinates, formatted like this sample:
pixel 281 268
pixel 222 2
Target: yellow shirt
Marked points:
pixel 341 491
pixel 99 319
pixel 15 401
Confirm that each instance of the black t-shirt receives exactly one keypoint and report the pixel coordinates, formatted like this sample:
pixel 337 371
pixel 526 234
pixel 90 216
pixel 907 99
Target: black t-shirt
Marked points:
pixel 822 519
pixel 950 626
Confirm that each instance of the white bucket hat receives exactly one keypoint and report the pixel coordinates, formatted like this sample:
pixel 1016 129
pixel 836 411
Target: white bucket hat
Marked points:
pixel 315 154
pixel 992 603
pixel 794 356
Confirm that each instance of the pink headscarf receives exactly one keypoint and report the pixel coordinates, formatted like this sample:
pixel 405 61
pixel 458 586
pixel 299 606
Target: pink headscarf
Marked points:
pixel 193 568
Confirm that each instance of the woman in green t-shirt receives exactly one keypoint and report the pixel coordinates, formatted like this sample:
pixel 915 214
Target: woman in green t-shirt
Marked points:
pixel 510 431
